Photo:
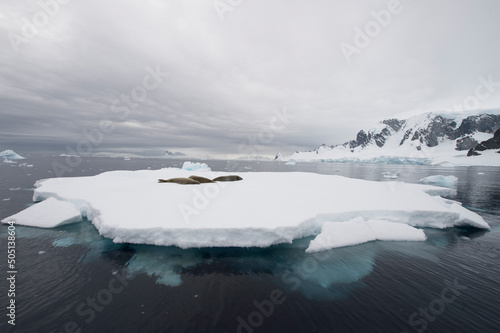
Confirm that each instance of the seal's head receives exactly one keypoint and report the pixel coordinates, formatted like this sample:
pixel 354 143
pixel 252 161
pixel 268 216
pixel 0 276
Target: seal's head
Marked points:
pixel 230 178
pixel 180 180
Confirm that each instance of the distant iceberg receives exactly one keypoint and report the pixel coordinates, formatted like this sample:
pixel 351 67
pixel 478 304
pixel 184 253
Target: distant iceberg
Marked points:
pixel 263 209
pixel 10 155
pixel 195 166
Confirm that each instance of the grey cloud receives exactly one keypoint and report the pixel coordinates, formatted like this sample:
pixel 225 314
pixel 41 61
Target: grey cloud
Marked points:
pixel 225 78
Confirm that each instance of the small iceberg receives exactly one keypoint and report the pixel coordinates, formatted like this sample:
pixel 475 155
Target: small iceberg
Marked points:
pixel 195 166
pixel 10 155
pixel 390 175
pixel 49 213
pixel 440 180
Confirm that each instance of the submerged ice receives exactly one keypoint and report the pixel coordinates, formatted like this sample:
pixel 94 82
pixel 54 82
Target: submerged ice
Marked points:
pixel 263 209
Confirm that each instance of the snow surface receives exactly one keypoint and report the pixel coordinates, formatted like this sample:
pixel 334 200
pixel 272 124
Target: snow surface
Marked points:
pixel 264 208
pixel 440 180
pixel 358 231
pixel 49 213
pixel 10 155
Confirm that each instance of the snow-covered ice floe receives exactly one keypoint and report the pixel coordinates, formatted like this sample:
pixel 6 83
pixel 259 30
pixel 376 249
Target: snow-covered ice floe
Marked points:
pixel 263 209
pixel 49 213
pixel 358 231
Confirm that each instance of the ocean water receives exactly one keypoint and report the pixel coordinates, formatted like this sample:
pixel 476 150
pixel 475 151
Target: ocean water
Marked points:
pixel 70 279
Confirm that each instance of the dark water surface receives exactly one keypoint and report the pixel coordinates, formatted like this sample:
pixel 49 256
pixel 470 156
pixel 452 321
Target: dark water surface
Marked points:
pixel 72 280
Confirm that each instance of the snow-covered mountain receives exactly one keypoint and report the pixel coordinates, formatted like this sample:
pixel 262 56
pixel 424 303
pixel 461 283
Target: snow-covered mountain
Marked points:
pixel 430 138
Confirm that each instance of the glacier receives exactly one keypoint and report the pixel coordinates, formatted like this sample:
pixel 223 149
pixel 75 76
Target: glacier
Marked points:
pixel 263 209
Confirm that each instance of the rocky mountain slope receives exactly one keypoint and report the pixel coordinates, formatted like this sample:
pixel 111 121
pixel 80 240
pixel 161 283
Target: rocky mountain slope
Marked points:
pixel 421 139
pixel 493 143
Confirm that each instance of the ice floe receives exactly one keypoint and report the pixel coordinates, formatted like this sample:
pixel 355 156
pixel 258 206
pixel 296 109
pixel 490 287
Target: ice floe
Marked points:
pixel 358 231
pixel 263 209
pixel 47 214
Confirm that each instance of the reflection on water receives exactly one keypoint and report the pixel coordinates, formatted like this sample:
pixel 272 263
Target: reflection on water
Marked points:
pixel 325 275
pixel 165 264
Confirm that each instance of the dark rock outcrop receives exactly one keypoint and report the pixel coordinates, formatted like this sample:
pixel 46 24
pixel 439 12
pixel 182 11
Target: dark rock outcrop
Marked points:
pixel 438 127
pixel 433 130
pixel 493 143
pixel 485 123
pixel 466 143
pixel 395 124
pixel 173 154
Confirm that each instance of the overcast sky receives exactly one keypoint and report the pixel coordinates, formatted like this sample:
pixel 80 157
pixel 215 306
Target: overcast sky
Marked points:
pixel 234 77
